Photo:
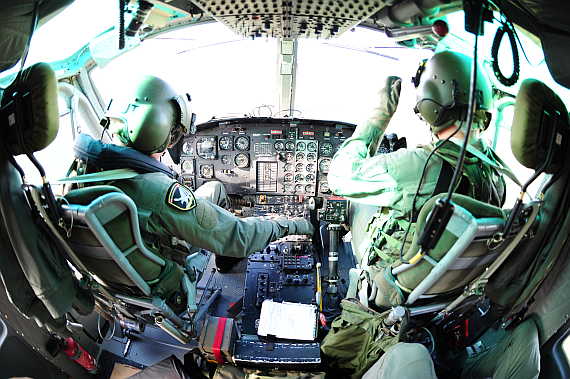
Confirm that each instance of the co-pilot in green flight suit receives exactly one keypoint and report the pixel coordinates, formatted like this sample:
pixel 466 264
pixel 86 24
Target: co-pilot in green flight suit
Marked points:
pixel 390 181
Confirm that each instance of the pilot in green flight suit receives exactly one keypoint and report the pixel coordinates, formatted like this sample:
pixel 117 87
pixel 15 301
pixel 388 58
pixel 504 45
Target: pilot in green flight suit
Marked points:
pixel 392 180
pixel 150 119
pixel 389 183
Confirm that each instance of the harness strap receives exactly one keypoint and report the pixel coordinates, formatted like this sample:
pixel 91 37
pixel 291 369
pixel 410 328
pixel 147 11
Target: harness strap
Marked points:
pixel 103 176
pixel 219 339
pixel 503 168
pixel 444 179
pixel 108 156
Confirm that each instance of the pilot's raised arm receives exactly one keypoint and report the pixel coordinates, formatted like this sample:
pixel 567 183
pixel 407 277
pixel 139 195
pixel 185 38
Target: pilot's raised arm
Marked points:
pixel 148 120
pixel 355 172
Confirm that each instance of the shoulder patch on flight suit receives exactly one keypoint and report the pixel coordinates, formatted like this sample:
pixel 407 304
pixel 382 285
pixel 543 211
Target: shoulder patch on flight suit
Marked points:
pixel 181 197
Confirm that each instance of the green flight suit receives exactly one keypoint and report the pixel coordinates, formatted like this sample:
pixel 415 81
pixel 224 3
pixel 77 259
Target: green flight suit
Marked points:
pixel 515 356
pixel 403 360
pixel 391 180
pixel 203 224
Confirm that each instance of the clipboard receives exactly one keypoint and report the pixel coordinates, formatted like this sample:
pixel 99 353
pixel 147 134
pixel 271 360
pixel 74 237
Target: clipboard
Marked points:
pixel 293 321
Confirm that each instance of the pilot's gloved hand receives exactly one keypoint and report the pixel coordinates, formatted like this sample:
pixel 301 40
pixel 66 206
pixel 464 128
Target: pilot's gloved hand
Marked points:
pixel 297 225
pixel 386 104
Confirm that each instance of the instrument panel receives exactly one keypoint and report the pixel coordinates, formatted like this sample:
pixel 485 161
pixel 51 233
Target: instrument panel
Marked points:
pixel 261 156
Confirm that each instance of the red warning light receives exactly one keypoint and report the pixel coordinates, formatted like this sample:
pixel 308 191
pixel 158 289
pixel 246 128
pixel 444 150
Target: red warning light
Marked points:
pixel 440 28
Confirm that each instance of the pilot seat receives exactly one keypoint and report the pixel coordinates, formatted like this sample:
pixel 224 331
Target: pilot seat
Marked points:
pixel 84 249
pixel 479 237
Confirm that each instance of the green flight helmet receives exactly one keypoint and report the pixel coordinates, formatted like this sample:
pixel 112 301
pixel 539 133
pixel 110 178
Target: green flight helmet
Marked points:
pixel 443 86
pixel 151 117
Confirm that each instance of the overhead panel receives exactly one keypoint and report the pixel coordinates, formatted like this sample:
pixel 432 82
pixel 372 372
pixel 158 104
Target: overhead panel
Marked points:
pixel 290 19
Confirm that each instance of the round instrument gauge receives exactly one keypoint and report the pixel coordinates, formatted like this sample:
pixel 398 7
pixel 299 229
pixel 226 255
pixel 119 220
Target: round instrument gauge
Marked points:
pixel 300 156
pixel 324 187
pixel 310 177
pixel 206 171
pixel 312 146
pixel 311 167
pixel 206 148
pixel 299 167
pixel 288 178
pixel 326 148
pixel 279 146
pixel 299 188
pixel 289 156
pixel 290 146
pixel 300 146
pixel 225 143
pixel 299 178
pixel 309 188
pixel 311 157
pixel 188 167
pixel 324 165
pixel 288 188
pixel 226 159
pixel 241 160
pixel 242 143
pixel 187 148
pixel 288 167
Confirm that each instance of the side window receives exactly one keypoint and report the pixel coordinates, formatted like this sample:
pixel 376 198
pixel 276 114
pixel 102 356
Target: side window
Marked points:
pixel 56 158
pixel 500 139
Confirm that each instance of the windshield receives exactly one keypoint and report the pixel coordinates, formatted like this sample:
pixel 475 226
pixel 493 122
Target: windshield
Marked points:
pixel 337 79
pixel 228 76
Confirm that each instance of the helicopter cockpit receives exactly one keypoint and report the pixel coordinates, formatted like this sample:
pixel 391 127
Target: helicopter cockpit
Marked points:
pixel 276 89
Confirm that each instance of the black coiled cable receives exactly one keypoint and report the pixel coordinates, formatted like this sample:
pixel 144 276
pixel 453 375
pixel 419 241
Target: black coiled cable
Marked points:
pixel 505 28
pixel 122 4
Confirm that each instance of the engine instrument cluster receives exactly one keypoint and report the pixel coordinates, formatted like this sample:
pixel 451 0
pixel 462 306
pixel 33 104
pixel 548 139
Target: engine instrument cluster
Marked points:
pixel 261 156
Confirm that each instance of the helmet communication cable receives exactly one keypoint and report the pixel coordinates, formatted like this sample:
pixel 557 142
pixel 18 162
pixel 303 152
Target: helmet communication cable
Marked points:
pixel 418 191
pixel 443 209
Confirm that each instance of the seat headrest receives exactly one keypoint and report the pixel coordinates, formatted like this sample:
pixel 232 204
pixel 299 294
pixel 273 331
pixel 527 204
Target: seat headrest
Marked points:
pixel 41 82
pixel 533 97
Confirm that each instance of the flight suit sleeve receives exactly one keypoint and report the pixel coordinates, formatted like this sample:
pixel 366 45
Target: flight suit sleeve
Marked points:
pixel 215 229
pixel 355 172
pixel 357 176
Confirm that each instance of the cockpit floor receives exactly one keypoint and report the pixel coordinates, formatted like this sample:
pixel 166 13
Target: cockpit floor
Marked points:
pixel 145 349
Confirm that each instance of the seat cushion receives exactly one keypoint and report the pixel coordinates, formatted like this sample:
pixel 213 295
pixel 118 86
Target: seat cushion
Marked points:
pixel 41 82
